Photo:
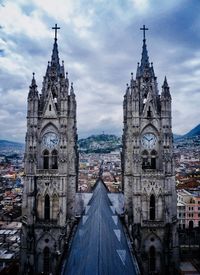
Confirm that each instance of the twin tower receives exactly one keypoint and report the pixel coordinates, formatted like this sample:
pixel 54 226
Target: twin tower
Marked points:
pixel 51 171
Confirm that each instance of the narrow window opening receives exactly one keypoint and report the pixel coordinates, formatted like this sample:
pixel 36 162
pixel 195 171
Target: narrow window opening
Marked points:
pixel 149 112
pixel 145 161
pixel 152 207
pixel 46 260
pixel 152 259
pixel 54 159
pixel 49 107
pixel 153 163
pixel 191 225
pixel 153 159
pixel 47 208
pixel 46 159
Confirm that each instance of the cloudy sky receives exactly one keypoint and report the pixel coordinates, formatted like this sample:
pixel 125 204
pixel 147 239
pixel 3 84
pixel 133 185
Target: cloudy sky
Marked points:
pixel 100 42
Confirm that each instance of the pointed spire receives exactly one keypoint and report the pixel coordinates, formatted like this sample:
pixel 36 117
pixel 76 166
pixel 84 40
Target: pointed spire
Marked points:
pixel 55 57
pixel 165 89
pixel 33 82
pixel 72 89
pixel 152 69
pixel 33 88
pixel 132 81
pixel 138 70
pixel 127 90
pixel 144 66
pixel 165 84
pixel 67 80
pixel 145 58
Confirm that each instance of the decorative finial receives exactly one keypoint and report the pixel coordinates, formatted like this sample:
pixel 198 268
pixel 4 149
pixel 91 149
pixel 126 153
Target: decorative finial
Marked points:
pixel 72 89
pixel 131 74
pixel 56 28
pixel 144 29
pixel 165 84
pixel 33 82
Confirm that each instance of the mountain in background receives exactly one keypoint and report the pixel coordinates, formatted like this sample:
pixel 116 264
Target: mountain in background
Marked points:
pixel 194 132
pixel 99 144
pixel 177 136
pixel 7 147
pixel 103 143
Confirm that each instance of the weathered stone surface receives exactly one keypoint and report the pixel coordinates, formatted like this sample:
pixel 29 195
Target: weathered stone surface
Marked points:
pixel 148 171
pixel 50 170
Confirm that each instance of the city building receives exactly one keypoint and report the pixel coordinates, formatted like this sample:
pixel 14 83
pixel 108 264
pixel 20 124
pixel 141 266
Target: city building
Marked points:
pixel 188 208
pixel 148 170
pixel 51 170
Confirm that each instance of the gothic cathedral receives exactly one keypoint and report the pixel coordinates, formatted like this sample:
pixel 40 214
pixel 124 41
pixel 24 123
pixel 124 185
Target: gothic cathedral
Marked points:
pixel 51 169
pixel 148 170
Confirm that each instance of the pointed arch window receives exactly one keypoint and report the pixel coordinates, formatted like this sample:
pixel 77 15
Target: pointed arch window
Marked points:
pixel 47 207
pixel 54 160
pixel 55 207
pixel 152 259
pixel 152 208
pixel 46 260
pixel 46 159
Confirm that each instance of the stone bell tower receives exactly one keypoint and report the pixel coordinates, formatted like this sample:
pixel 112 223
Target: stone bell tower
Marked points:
pixel 148 170
pixel 51 169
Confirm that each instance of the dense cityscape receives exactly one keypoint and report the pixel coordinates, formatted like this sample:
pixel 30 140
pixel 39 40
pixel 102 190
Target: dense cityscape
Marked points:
pixel 99 153
pixel 187 167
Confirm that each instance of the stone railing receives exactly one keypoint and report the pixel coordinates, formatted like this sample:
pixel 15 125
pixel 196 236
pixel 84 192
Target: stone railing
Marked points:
pixel 153 223
pixel 47 172
pixel 46 223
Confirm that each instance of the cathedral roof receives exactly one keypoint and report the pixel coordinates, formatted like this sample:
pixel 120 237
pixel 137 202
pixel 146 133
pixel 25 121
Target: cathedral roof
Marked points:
pixel 100 245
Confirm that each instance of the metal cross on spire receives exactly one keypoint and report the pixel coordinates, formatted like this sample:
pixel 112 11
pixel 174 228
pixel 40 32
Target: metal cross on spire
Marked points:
pixel 55 28
pixel 144 29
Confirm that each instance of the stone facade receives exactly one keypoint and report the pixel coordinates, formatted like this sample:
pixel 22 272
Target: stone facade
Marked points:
pixel 51 169
pixel 148 170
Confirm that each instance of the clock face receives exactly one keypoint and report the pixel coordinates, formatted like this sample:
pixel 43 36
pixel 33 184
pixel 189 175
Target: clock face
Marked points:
pixel 50 140
pixel 148 140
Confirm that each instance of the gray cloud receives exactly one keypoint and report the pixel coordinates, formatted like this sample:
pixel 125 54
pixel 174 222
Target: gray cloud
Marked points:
pixel 101 44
